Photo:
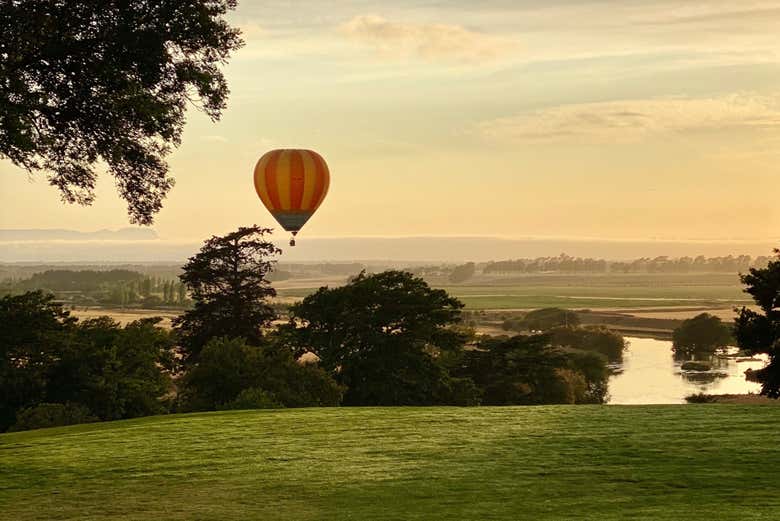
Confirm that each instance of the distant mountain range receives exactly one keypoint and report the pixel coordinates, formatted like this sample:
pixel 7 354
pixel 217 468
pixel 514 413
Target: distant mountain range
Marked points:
pixel 54 234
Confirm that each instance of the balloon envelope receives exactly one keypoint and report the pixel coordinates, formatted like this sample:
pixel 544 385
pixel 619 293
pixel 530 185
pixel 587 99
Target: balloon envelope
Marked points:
pixel 292 183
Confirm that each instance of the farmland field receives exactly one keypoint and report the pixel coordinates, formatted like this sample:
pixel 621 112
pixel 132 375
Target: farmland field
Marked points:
pixel 586 291
pixel 644 296
pixel 693 462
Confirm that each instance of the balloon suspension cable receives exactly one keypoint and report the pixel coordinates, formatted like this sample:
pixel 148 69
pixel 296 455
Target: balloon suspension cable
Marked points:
pixel 292 239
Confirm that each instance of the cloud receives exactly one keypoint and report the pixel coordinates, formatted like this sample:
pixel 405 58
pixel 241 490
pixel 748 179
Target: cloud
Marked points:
pixel 634 120
pixel 729 13
pixel 429 42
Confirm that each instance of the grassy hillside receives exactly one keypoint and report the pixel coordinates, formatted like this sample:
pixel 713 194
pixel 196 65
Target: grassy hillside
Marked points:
pixel 583 462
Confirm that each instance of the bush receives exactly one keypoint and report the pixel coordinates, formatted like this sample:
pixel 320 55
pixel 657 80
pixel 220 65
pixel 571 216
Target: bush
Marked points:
pixel 703 333
pixel 548 318
pixel 254 398
pixel 229 367
pixel 46 415
pixel 526 370
pixel 598 339
pixel 700 398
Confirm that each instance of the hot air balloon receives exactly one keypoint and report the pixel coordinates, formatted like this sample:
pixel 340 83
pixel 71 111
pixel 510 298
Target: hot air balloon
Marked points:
pixel 292 184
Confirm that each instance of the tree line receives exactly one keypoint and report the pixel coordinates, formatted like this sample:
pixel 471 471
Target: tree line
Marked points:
pixel 116 287
pixel 662 264
pixel 382 339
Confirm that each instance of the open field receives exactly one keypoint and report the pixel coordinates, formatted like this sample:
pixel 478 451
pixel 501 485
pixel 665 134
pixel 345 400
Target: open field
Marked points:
pixel 634 304
pixel 590 291
pixel 125 316
pixel 693 462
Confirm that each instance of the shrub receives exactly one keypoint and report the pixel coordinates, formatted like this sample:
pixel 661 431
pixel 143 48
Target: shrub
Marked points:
pixel 46 415
pixel 703 333
pixel 255 398
pixel 700 398
pixel 525 370
pixel 571 385
pixel 548 318
pixel 598 339
pixel 229 367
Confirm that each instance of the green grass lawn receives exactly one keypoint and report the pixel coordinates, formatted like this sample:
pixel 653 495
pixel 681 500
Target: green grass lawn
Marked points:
pixel 563 462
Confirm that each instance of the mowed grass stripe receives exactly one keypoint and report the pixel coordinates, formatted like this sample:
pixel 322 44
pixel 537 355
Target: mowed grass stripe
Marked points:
pixel 557 462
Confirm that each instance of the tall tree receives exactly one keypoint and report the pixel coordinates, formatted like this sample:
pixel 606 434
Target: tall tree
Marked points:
pixel 380 335
pixel 227 281
pixel 83 81
pixel 759 332
pixel 33 329
pixel 181 293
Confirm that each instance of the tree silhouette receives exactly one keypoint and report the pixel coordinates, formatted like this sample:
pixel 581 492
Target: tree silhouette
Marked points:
pixel 380 336
pixel 84 81
pixel 227 281
pixel 759 332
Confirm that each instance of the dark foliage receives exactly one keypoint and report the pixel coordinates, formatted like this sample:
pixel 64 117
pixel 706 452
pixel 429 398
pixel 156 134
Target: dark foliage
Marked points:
pixel 81 280
pixel 83 81
pixel 525 370
pixel 548 318
pixel 119 287
pixel 46 415
pixel 759 332
pixel 380 336
pixel 230 372
pixel 701 398
pixel 702 334
pixel 596 339
pixel 254 398
pixel 117 372
pixel 47 357
pixel 227 280
pixel 33 331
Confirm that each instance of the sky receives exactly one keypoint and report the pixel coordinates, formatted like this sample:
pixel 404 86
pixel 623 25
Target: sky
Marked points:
pixel 647 119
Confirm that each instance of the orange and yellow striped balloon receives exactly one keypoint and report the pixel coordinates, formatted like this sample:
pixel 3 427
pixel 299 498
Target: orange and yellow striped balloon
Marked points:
pixel 292 184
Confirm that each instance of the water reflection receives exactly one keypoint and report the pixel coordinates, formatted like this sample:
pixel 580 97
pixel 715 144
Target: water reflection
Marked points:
pixel 649 374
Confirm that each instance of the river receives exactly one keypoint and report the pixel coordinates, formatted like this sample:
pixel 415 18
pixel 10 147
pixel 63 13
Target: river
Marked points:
pixel 651 375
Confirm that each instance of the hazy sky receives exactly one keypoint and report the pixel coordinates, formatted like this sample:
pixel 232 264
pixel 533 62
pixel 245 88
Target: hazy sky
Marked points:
pixel 566 118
